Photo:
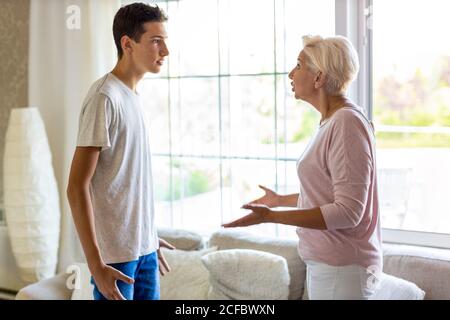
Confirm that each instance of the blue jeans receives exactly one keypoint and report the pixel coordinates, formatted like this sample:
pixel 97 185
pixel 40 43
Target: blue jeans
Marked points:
pixel 145 273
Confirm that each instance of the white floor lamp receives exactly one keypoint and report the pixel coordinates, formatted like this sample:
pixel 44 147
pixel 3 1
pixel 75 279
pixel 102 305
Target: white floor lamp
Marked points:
pixel 31 196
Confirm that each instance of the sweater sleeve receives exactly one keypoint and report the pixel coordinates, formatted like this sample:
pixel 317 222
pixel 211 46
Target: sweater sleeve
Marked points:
pixel 350 164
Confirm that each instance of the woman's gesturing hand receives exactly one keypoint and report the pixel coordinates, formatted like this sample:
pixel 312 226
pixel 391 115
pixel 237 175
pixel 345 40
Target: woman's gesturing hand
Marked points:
pixel 270 199
pixel 260 214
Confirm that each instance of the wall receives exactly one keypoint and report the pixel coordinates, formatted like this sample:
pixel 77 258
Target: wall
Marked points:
pixel 14 21
pixel 9 277
pixel 14 36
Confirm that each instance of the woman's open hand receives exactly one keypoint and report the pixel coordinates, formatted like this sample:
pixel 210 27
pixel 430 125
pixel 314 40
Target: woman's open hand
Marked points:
pixel 270 199
pixel 260 214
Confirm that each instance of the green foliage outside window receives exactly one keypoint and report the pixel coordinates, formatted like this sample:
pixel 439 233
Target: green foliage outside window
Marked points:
pixel 422 100
pixel 193 183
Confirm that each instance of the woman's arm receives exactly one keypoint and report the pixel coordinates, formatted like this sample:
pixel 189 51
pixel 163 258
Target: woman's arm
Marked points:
pixel 308 218
pixel 305 218
pixel 288 200
pixel 350 164
pixel 272 199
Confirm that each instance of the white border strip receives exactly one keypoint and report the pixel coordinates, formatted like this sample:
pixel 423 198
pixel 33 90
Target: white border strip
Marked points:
pixel 410 129
pixel 417 238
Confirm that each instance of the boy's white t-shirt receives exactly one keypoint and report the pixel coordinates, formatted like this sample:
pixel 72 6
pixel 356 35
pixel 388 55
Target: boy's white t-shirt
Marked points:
pixel 121 189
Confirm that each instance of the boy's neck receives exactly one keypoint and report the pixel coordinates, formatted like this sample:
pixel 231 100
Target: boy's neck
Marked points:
pixel 127 74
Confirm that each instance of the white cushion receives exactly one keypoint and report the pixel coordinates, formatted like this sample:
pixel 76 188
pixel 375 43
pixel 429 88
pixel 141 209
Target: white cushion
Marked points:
pixel 244 274
pixel 182 239
pixel 428 268
pixel 54 288
pixel 188 278
pixel 393 288
pixel 287 248
pixel 80 281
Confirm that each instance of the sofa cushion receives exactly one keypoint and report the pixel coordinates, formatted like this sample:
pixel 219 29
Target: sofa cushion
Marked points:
pixel 428 268
pixel 241 274
pixel 231 239
pixel 53 288
pixel 188 278
pixel 393 288
pixel 182 239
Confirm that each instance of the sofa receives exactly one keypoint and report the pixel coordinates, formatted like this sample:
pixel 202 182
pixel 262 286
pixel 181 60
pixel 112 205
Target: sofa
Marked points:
pixel 234 264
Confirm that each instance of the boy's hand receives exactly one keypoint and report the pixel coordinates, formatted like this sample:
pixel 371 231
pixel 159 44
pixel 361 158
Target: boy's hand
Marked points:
pixel 105 278
pixel 162 261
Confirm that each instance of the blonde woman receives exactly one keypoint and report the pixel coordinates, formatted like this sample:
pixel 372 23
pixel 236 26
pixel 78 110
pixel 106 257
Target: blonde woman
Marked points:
pixel 336 210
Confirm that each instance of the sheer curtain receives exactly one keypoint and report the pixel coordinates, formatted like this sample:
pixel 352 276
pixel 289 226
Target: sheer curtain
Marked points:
pixel 65 58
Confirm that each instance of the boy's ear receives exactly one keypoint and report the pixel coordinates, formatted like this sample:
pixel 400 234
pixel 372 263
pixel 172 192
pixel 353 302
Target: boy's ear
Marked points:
pixel 125 42
pixel 320 80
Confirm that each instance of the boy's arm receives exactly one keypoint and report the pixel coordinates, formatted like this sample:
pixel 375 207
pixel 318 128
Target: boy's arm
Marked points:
pixel 83 167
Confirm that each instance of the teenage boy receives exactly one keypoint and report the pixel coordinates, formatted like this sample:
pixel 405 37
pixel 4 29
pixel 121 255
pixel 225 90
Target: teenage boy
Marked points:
pixel 110 188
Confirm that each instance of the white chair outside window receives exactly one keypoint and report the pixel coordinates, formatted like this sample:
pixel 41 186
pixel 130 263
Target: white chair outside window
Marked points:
pixel 394 187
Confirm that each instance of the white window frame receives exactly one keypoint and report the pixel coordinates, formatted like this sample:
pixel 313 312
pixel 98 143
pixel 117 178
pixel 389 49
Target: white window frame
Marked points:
pixel 352 22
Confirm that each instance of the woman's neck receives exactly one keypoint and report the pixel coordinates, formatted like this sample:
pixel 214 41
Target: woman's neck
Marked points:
pixel 328 105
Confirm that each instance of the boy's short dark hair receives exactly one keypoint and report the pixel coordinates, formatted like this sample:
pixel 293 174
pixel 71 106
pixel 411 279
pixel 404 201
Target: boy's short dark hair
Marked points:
pixel 130 19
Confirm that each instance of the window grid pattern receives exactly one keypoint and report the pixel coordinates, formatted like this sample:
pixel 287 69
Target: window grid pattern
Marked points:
pixel 224 77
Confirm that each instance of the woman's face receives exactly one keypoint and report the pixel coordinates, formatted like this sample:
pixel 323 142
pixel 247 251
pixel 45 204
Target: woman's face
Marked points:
pixel 302 79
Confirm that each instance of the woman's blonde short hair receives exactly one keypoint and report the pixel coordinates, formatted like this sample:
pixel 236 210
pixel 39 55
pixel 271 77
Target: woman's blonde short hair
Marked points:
pixel 335 57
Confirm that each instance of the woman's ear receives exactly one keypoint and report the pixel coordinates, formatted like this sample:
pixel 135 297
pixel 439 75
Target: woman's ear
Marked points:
pixel 320 80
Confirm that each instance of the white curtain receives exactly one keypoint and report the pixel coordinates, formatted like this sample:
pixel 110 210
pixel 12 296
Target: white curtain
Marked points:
pixel 65 58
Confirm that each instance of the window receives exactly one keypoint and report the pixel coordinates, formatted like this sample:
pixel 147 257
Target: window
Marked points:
pixel 223 118
pixel 411 111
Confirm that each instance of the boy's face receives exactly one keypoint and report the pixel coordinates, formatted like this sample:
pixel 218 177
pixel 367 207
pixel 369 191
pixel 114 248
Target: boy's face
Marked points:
pixel 148 54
